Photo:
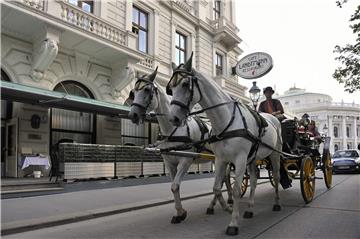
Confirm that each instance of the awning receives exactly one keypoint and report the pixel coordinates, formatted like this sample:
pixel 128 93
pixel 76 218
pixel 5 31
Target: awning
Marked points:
pixel 33 95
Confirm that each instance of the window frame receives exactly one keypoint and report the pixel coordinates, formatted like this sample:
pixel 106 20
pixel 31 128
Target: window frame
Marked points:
pixel 216 9
pixel 79 4
pixel 336 132
pixel 218 67
pixel 139 28
pixel 178 48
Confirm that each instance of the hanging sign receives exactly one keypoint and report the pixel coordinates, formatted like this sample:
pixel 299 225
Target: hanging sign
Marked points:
pixel 254 65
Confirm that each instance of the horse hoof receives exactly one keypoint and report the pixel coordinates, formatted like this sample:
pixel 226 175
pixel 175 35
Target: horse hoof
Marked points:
pixel 210 211
pixel 175 220
pixel 232 231
pixel 248 214
pixel 230 201
pixel 183 216
pixel 276 208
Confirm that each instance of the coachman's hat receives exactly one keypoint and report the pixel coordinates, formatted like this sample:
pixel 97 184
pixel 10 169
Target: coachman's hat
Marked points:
pixel 269 88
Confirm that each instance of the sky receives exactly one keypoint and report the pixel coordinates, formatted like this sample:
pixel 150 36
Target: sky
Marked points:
pixel 300 35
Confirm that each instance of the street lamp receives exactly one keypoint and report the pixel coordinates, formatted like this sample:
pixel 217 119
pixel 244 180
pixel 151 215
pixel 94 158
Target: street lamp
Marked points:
pixel 254 94
pixel 325 129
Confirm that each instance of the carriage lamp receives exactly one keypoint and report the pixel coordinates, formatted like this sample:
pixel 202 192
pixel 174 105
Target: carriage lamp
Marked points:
pixel 254 94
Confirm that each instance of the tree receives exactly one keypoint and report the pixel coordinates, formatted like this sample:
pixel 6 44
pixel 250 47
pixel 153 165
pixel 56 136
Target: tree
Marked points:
pixel 349 56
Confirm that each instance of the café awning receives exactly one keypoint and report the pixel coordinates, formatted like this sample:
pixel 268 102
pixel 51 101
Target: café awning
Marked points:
pixel 33 95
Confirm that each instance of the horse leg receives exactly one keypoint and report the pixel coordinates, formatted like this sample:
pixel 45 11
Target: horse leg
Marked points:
pixel 220 169
pixel 240 168
pixel 253 182
pixel 275 162
pixel 182 168
pixel 172 172
pixel 228 184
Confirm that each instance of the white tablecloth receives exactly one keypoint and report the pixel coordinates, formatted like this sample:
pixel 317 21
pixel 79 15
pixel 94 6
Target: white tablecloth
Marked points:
pixel 36 160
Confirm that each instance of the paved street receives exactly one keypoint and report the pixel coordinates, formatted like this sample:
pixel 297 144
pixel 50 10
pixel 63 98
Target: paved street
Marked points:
pixel 332 214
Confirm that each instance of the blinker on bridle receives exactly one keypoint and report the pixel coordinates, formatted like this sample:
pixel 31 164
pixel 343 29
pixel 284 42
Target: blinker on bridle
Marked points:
pixel 138 86
pixel 193 81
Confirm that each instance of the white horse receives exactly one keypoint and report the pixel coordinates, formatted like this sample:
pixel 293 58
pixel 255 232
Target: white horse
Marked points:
pixel 232 127
pixel 148 97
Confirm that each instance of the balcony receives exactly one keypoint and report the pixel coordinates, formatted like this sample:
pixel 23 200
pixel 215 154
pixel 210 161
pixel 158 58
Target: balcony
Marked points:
pixel 77 30
pixel 226 33
pixel 92 24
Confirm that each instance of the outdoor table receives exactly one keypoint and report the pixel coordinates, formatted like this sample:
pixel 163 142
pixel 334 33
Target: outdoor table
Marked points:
pixel 36 160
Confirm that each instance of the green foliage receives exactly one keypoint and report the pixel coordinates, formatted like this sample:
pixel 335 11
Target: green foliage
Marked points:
pixel 349 56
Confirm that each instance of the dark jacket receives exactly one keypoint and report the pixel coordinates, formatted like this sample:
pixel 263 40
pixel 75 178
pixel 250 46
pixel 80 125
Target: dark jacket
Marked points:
pixel 276 106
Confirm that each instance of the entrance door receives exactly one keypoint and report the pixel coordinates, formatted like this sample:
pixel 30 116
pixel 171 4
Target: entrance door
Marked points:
pixel 12 133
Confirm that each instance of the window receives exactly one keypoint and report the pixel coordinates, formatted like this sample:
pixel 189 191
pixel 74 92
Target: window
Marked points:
pixel 180 48
pixel 336 133
pixel 67 124
pixel 140 27
pixel 357 132
pixel 336 147
pixel 219 64
pixel 297 101
pixel 347 131
pixel 216 9
pixel 87 6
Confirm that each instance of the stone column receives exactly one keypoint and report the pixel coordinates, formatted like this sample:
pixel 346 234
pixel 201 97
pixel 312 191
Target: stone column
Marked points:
pixel 344 131
pixel 330 125
pixel 355 135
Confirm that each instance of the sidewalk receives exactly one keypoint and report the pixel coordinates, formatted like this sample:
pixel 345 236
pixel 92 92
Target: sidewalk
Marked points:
pixel 28 213
pixel 20 214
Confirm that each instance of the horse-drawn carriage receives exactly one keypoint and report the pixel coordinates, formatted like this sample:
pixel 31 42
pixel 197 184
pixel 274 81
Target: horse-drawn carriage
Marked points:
pixel 238 139
pixel 301 158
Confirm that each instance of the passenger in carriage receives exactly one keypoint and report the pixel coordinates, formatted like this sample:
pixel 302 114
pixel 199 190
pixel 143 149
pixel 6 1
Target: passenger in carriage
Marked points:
pixel 272 106
pixel 309 126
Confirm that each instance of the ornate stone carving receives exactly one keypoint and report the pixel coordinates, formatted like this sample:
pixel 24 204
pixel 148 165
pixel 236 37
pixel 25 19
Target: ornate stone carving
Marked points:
pixel 120 79
pixel 44 55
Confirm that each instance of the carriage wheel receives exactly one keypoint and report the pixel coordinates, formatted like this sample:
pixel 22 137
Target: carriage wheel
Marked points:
pixel 270 174
pixel 307 179
pixel 327 169
pixel 244 184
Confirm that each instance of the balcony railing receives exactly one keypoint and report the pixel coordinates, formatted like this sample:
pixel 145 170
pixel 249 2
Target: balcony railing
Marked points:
pixel 184 4
pixel 147 62
pixel 37 4
pixel 223 22
pixel 91 23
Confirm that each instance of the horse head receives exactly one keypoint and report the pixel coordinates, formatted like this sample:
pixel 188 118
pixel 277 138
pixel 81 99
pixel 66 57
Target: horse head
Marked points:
pixel 184 88
pixel 143 97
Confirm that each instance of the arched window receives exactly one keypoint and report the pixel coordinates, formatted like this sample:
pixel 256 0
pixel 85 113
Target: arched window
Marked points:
pixel 348 131
pixel 67 124
pixel 348 146
pixel 336 147
pixel 336 132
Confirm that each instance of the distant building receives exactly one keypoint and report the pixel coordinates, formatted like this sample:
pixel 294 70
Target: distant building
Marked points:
pixel 95 50
pixel 341 121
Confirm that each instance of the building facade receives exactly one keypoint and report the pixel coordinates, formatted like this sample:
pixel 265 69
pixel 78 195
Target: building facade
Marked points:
pixel 340 121
pixel 95 50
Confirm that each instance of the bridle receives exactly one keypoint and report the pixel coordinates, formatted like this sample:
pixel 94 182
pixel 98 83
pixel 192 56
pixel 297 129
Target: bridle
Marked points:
pixel 193 83
pixel 139 87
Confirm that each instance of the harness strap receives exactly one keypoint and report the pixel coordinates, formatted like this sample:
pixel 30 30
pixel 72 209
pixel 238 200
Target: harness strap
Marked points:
pixel 209 108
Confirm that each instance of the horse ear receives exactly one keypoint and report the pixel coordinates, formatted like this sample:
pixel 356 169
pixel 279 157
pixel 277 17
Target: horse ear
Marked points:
pixel 174 66
pixel 152 76
pixel 188 64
